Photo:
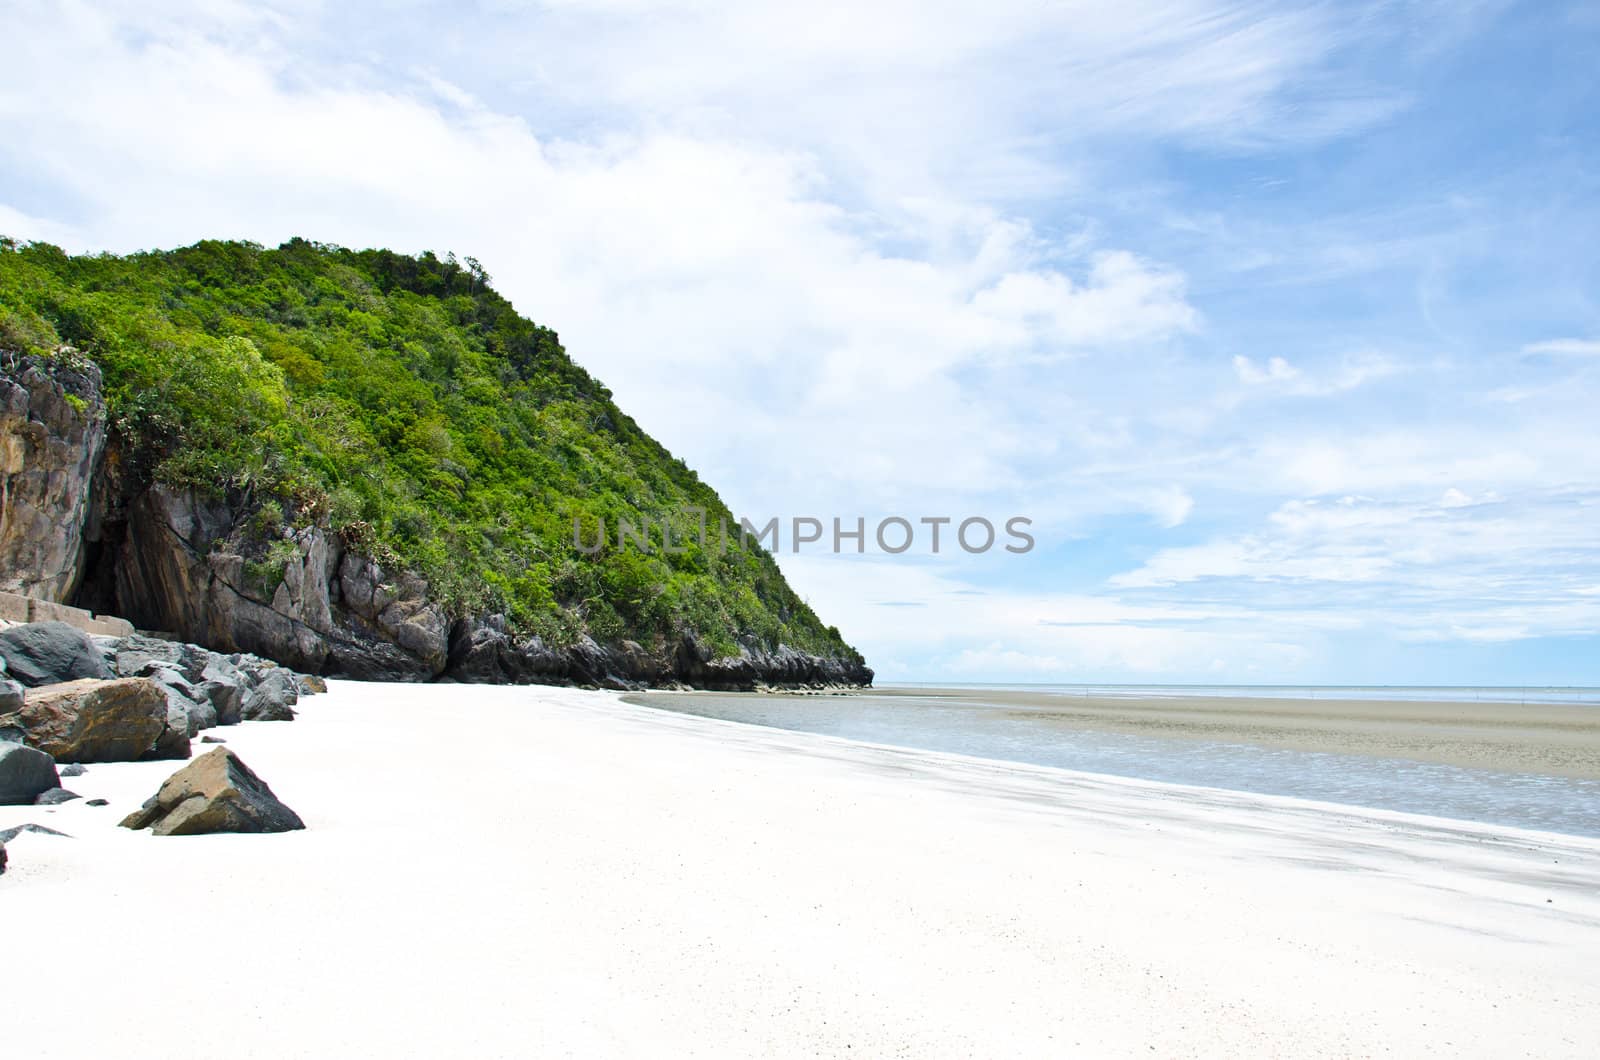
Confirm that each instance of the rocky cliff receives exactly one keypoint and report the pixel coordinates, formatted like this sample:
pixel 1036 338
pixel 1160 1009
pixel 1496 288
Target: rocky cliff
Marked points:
pixel 52 435
pixel 78 526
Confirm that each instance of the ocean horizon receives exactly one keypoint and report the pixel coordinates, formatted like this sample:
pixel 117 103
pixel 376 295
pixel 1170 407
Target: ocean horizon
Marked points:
pixel 1588 695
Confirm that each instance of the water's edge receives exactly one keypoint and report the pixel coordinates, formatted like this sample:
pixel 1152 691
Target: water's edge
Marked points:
pixel 965 724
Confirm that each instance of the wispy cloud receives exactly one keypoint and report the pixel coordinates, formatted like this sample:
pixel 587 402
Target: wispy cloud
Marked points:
pixel 1563 348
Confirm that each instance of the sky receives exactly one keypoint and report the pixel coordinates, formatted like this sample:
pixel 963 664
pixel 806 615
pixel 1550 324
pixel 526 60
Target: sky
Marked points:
pixel 1280 320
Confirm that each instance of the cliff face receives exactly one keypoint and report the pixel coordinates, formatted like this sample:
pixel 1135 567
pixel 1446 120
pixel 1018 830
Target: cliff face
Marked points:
pixel 182 566
pixel 52 434
pixel 76 528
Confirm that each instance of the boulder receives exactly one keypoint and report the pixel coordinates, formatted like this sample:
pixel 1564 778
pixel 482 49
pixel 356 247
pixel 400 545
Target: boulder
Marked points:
pixel 188 707
pixel 207 685
pixel 55 797
pixel 133 656
pixel 49 653
pixel 94 721
pixel 25 773
pixel 273 696
pixel 73 770
pixel 10 695
pixel 224 686
pixel 312 685
pixel 216 792
pixel 174 739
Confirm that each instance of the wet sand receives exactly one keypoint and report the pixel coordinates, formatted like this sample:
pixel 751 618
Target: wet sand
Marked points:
pixel 1548 739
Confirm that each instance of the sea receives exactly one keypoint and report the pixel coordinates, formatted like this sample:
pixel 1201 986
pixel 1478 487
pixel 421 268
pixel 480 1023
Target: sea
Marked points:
pixel 967 724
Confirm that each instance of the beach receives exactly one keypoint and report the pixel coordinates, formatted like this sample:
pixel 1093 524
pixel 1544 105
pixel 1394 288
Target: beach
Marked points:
pixel 501 871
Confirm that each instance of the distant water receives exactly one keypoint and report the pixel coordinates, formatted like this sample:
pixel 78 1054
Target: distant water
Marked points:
pixel 970 726
pixel 1406 693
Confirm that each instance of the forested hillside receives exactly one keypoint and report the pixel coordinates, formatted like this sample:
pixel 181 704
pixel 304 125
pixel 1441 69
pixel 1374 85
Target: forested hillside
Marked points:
pixel 401 405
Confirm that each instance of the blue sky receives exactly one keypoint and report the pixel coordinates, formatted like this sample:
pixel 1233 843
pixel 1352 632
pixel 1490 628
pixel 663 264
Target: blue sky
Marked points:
pixel 1280 320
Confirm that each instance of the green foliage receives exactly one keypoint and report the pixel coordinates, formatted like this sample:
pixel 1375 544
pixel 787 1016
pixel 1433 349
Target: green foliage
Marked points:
pixel 402 403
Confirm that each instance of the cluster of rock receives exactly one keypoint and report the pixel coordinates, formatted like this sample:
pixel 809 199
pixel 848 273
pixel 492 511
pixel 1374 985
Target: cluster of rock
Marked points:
pixel 484 651
pixel 67 697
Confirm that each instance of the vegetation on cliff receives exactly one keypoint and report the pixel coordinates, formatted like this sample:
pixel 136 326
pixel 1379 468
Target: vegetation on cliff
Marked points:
pixel 402 403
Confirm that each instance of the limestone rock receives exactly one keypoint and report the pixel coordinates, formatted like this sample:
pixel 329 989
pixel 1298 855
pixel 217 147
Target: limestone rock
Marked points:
pixel 52 432
pixel 188 707
pixel 94 721
pixel 273 697
pixel 216 792
pixel 182 566
pixel 25 774
pixel 224 687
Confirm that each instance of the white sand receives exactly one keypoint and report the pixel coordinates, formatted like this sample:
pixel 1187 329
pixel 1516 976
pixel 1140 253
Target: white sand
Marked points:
pixel 525 872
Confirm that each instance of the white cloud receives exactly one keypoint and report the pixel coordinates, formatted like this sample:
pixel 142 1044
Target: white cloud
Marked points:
pixel 1281 377
pixel 852 258
pixel 1276 370
pixel 960 633
pixel 666 259
pixel 1458 568
pixel 1564 348
pixel 1171 506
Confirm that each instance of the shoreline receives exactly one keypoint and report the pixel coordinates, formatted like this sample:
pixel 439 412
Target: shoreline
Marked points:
pixel 510 870
pixel 1535 739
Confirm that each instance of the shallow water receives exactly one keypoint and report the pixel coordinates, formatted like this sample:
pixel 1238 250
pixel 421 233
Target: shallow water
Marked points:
pixel 972 727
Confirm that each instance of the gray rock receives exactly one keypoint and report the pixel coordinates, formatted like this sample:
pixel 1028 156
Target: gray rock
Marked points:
pixel 216 792
pixel 223 684
pixel 25 773
pixel 212 739
pixel 55 797
pixel 52 432
pixel 188 707
pixel 49 653
pixel 8 834
pixel 183 565
pixel 273 697
pixel 10 695
pixel 97 802
pixel 73 770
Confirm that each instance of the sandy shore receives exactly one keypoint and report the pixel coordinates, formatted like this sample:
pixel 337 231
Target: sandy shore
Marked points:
pixel 1552 739
pixel 528 872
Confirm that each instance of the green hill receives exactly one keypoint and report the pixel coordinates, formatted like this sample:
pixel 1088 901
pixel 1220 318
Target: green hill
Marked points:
pixel 401 405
